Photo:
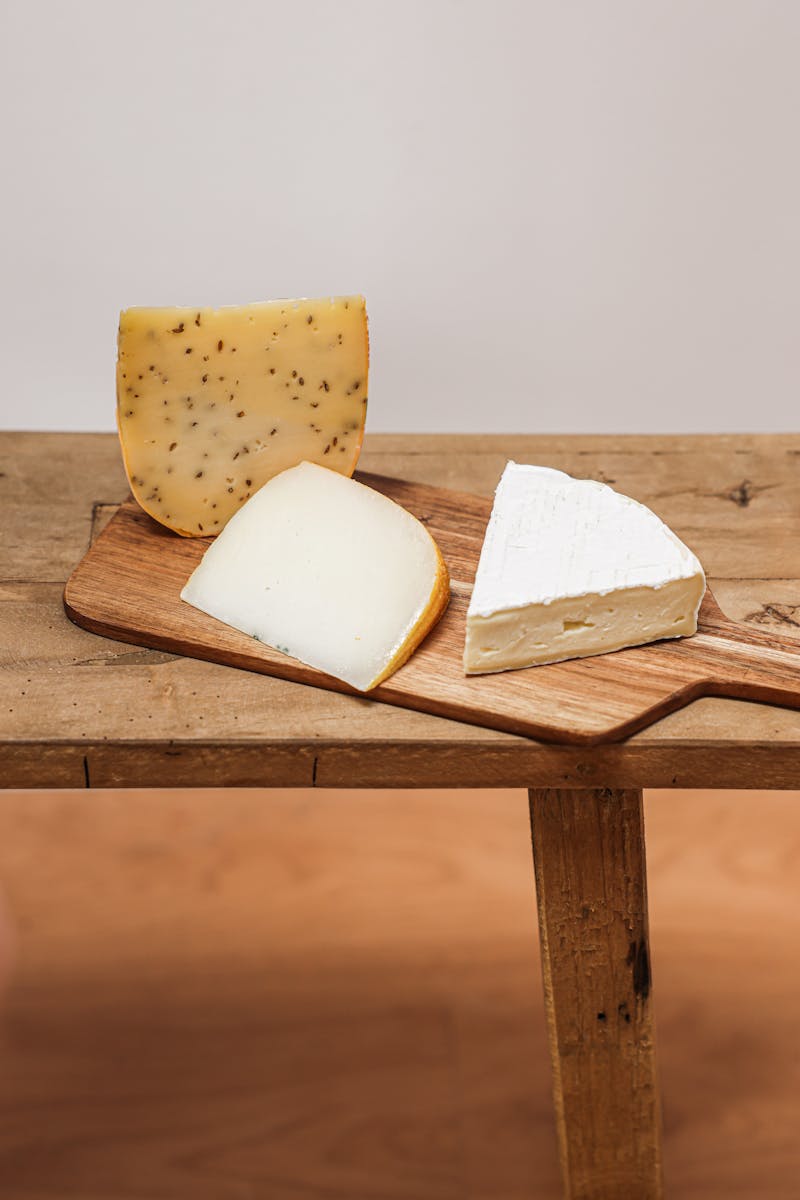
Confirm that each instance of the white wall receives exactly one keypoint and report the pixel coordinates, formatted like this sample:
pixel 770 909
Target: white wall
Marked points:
pixel 564 216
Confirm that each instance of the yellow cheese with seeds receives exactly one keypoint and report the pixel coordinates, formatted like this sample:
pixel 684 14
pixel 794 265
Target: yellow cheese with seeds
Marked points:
pixel 213 402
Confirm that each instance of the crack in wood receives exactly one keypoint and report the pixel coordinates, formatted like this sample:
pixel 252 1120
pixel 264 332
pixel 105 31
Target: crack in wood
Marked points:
pixel 130 658
pixel 102 512
pixel 743 494
pixel 639 959
pixel 598 475
pixel 776 614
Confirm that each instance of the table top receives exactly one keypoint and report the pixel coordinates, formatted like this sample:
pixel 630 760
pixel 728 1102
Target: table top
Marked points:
pixel 79 710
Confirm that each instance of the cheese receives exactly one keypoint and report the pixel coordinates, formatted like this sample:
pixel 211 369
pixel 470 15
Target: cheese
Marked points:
pixel 571 568
pixel 328 571
pixel 211 403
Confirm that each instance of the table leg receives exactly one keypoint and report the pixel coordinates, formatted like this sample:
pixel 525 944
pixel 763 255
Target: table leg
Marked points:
pixel 589 858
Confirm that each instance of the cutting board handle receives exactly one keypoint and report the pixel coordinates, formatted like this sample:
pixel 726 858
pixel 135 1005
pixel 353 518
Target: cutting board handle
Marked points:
pixel 748 662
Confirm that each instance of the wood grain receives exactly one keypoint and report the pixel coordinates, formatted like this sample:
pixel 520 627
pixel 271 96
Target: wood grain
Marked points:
pixel 287 995
pixel 589 857
pixel 77 707
pixel 128 587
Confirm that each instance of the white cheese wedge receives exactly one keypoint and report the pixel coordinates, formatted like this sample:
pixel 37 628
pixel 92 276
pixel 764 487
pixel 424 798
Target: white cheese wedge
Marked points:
pixel 571 568
pixel 328 571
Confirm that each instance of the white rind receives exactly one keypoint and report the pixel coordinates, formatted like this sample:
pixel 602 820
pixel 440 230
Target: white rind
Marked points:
pixel 322 568
pixel 571 568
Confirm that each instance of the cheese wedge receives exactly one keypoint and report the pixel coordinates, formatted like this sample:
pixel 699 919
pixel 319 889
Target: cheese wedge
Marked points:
pixel 212 402
pixel 571 568
pixel 328 571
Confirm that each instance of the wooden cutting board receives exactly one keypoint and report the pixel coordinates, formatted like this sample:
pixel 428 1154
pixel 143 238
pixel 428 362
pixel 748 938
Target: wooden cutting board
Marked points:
pixel 128 587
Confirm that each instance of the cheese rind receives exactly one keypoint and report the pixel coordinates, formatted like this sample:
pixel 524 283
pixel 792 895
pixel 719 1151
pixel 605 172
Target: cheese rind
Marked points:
pixel 570 568
pixel 211 403
pixel 328 571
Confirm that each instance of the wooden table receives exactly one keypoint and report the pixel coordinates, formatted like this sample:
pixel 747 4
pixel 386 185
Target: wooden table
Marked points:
pixel 81 711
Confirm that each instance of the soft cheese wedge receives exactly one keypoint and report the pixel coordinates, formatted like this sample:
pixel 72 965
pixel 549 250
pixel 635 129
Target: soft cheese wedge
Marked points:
pixel 571 568
pixel 327 570
pixel 212 402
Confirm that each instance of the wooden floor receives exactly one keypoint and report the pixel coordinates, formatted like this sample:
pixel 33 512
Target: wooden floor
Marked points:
pixel 298 995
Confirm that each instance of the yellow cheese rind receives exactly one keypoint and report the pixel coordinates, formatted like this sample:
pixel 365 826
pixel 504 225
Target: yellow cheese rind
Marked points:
pixel 212 403
pixel 433 611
